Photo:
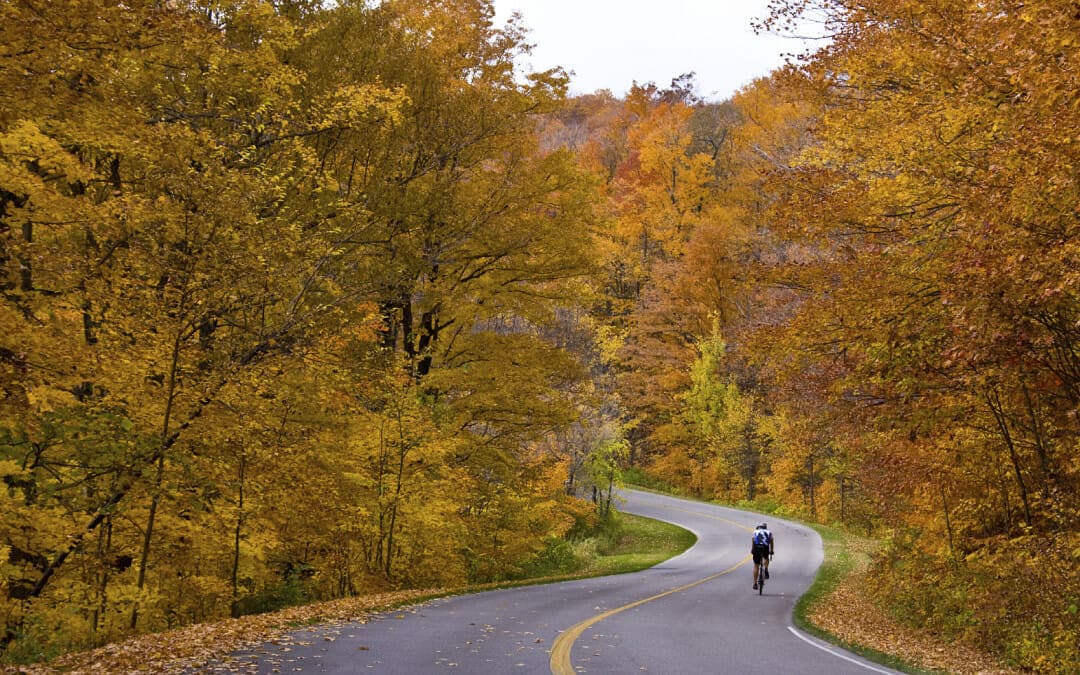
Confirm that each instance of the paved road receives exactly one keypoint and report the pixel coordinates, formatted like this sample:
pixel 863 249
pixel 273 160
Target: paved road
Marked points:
pixel 695 613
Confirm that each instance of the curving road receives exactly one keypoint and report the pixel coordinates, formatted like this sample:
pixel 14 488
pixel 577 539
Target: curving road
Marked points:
pixel 695 613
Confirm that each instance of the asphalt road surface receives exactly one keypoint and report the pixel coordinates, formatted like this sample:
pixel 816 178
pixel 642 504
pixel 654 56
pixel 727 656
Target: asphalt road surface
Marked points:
pixel 695 613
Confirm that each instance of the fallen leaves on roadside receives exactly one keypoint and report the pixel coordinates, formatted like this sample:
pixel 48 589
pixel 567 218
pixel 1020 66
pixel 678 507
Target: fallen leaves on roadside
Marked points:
pixel 851 615
pixel 195 648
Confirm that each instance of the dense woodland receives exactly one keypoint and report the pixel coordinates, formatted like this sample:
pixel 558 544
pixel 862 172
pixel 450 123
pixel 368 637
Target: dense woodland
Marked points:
pixel 303 300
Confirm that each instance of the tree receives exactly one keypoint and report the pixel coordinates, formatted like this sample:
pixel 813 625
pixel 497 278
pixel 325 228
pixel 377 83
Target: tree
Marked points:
pixel 130 221
pixel 219 250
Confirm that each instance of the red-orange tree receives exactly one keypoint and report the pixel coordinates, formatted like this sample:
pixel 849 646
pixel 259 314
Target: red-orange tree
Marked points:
pixel 941 195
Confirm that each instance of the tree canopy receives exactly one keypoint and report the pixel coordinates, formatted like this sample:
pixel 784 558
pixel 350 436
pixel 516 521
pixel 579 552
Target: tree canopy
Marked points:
pixel 283 286
pixel 304 300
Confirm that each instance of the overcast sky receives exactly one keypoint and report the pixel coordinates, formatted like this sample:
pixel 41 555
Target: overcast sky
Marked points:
pixel 609 44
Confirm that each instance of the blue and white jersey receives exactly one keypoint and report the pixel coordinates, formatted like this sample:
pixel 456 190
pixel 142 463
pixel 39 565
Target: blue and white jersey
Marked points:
pixel 761 537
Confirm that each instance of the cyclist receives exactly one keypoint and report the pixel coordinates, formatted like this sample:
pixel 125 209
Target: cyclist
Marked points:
pixel 761 547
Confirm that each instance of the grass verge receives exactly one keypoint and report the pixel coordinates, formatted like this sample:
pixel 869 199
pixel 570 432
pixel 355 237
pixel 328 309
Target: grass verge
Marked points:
pixel 633 543
pixel 846 555
pixel 838 608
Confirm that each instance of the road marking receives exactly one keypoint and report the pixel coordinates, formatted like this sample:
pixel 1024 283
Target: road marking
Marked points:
pixel 560 648
pixel 790 628
pixel 703 515
pixel 836 653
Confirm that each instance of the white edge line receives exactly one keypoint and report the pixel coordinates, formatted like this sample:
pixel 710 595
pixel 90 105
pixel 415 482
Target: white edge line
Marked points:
pixel 836 653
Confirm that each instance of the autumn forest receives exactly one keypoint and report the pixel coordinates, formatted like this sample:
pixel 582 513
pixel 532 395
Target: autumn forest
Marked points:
pixel 304 300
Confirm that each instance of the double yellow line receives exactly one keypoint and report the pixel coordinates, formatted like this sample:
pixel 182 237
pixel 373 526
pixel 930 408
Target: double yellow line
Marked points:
pixel 560 648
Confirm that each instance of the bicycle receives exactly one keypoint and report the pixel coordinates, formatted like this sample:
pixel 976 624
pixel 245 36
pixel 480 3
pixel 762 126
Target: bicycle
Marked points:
pixel 761 575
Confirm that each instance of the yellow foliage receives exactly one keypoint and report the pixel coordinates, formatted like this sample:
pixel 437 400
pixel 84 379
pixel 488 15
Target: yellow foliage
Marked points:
pixel 276 293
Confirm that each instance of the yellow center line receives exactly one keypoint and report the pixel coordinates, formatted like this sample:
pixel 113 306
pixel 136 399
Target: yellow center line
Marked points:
pixel 561 663
pixel 705 515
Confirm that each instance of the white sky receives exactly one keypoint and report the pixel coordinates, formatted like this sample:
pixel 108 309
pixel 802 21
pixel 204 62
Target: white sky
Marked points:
pixel 608 44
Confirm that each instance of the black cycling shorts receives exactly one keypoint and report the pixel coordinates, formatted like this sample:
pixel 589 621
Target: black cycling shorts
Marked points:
pixel 760 553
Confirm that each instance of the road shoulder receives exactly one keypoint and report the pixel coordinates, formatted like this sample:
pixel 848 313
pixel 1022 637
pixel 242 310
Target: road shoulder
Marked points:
pixel 839 610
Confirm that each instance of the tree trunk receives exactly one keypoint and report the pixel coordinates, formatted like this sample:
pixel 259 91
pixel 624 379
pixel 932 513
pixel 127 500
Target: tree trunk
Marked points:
pixel 948 521
pixel 26 270
pixel 104 551
pixel 1003 484
pixel 403 450
pixel 996 408
pixel 170 395
pixel 235 577
pixel 1049 477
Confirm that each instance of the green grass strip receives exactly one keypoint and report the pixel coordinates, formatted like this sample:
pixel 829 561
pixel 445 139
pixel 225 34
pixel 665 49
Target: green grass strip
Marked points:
pixel 638 543
pixel 845 554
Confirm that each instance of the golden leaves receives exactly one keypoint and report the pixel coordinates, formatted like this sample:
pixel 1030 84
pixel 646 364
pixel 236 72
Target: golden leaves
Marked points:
pixel 23 144
pixel 236 245
pixel 359 105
